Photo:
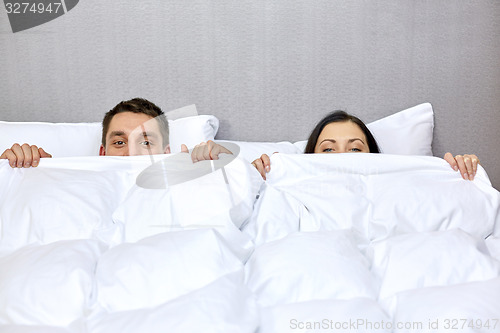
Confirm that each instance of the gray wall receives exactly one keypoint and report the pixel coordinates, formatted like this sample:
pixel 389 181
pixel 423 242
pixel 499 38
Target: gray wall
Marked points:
pixel 267 69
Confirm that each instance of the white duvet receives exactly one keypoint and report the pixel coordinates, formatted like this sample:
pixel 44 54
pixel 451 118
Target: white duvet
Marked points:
pixel 336 243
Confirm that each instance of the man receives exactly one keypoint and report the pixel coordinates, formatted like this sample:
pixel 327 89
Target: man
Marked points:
pixel 134 127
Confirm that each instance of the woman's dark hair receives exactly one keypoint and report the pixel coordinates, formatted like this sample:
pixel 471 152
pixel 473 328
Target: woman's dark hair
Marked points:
pixel 335 117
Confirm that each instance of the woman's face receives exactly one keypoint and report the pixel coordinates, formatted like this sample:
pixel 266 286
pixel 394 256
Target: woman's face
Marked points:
pixel 341 137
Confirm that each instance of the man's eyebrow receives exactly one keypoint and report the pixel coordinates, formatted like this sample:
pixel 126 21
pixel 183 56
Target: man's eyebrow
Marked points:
pixel 116 133
pixel 149 135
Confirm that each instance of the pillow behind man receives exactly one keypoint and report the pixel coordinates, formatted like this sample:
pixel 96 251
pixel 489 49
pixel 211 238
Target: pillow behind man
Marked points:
pixel 86 137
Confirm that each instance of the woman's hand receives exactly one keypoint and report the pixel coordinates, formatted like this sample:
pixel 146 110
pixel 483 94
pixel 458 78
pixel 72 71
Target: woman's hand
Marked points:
pixel 467 164
pixel 263 165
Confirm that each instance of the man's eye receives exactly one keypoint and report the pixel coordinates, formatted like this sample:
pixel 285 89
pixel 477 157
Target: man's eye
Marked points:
pixel 327 150
pixel 118 143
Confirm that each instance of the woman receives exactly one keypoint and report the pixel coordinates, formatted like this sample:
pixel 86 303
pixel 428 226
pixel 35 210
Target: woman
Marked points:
pixel 340 132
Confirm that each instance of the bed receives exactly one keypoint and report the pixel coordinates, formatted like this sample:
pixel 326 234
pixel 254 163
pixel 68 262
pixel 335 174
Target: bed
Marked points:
pixel 393 242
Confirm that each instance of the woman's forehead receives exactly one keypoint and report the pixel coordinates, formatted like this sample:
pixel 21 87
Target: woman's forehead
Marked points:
pixel 342 130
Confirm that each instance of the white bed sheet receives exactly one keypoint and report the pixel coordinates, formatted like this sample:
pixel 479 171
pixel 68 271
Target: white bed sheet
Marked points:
pixel 331 239
pixel 378 195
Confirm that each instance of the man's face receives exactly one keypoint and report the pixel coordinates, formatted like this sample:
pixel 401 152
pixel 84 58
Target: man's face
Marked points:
pixel 133 134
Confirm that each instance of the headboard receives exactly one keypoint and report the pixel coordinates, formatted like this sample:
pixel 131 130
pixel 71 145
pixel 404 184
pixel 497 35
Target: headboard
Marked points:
pixel 269 70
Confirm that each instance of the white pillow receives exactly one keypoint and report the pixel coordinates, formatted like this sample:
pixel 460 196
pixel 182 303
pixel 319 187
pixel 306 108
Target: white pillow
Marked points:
pixel 58 139
pixel 160 268
pixel 309 266
pixel 192 131
pixel 84 139
pixel 48 284
pixel 408 132
pixel 431 259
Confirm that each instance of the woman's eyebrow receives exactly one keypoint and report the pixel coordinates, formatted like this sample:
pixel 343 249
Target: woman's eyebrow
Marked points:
pixel 349 141
pixel 355 139
pixel 330 140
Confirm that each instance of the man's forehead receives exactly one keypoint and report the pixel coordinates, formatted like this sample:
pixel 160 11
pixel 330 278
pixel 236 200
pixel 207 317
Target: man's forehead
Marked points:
pixel 126 123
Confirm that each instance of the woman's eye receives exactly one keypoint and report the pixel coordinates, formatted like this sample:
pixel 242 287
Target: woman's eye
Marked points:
pixel 145 143
pixel 356 150
pixel 327 150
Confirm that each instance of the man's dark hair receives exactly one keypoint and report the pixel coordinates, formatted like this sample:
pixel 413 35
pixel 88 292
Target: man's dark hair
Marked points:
pixel 335 117
pixel 137 105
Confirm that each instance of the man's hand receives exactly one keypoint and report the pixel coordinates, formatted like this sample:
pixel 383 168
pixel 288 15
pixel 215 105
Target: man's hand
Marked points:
pixel 208 151
pixel 467 164
pixel 24 156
